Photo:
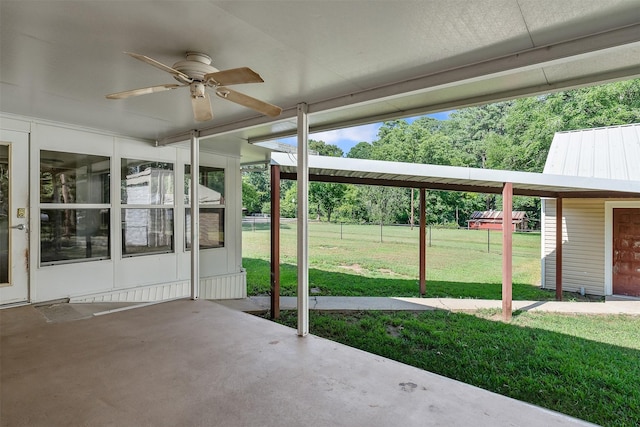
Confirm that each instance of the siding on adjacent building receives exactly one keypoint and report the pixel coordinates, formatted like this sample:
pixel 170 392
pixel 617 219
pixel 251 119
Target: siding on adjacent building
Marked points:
pixel 609 152
pixel 582 248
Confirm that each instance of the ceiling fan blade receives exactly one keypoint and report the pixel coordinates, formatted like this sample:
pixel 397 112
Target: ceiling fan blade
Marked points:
pixel 159 65
pixel 247 101
pixel 201 108
pixel 234 76
pixel 142 91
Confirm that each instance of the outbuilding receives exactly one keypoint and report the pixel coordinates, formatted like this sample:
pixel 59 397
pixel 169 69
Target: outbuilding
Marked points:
pixel 492 220
pixel 600 236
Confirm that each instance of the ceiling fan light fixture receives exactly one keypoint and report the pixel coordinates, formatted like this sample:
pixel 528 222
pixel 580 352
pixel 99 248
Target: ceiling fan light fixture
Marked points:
pixel 197 90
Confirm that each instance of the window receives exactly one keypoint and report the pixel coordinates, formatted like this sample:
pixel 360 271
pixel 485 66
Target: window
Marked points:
pixel 74 207
pixel 211 207
pixel 147 190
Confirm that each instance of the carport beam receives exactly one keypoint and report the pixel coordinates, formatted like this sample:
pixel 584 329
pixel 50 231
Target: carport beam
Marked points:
pixel 507 249
pixel 423 243
pixel 275 241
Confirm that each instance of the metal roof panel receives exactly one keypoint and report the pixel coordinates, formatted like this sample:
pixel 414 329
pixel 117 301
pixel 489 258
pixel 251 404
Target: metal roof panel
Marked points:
pixel 610 152
pixel 454 177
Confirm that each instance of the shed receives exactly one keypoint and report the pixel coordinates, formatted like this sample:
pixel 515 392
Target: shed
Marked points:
pixel 492 220
pixel 600 236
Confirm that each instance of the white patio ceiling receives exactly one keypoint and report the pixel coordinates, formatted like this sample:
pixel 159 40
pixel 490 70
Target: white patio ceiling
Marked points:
pixel 434 177
pixel 352 62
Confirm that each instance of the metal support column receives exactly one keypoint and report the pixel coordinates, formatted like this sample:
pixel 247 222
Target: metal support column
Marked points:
pixel 507 250
pixel 423 242
pixel 303 220
pixel 195 215
pixel 275 241
pixel 559 249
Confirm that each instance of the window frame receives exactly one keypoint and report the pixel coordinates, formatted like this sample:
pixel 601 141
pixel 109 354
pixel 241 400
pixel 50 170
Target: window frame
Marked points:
pixel 222 207
pixel 106 205
pixel 162 205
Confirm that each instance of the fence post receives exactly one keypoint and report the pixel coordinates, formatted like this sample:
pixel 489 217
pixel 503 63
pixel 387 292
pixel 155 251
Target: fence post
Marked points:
pixel 429 235
pixel 341 230
pixel 488 239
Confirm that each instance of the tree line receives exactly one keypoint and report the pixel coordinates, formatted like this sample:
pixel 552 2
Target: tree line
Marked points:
pixel 510 135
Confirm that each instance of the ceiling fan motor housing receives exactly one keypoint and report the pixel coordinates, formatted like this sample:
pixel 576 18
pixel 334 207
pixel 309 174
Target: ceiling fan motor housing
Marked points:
pixel 196 66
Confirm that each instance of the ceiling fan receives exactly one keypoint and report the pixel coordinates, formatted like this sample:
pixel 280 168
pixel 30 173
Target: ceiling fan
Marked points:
pixel 197 73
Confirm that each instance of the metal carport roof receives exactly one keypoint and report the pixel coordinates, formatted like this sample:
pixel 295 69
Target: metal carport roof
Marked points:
pixel 454 178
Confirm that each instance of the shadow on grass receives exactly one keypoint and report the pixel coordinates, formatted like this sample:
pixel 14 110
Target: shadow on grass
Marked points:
pixel 586 379
pixel 345 284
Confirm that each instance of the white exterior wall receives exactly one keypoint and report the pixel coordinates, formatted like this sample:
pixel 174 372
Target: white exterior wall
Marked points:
pixel 584 251
pixel 139 278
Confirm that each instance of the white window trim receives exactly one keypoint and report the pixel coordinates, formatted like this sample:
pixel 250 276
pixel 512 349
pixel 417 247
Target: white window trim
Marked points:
pixel 608 239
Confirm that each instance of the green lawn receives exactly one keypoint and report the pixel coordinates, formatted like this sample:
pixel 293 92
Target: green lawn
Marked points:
pixel 351 260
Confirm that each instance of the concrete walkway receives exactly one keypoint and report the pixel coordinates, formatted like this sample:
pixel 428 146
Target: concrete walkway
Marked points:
pixel 325 303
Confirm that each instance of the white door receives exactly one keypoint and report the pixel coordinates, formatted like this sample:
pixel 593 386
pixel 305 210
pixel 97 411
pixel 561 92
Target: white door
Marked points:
pixel 14 217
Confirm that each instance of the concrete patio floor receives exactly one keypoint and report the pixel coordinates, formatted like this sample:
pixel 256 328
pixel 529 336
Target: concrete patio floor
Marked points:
pixel 197 363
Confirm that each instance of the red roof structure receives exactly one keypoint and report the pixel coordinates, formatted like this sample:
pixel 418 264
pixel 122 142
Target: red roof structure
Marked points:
pixel 492 220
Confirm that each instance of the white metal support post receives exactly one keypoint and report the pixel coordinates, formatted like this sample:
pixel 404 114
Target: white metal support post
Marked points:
pixel 195 215
pixel 303 221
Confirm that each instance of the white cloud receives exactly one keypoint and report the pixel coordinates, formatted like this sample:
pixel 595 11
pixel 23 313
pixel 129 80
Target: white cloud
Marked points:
pixel 354 134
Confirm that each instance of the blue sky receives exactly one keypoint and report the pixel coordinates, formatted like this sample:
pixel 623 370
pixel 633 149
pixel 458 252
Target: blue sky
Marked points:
pixel 348 137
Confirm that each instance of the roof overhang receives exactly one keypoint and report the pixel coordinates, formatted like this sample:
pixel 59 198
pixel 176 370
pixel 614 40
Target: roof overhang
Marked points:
pixel 453 178
pixel 59 59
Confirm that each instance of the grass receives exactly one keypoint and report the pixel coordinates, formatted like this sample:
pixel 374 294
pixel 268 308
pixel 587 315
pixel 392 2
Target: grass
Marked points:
pixel 351 260
pixel 586 367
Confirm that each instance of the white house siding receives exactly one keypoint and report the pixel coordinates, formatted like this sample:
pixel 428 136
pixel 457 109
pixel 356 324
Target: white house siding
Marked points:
pixel 583 245
pixel 230 286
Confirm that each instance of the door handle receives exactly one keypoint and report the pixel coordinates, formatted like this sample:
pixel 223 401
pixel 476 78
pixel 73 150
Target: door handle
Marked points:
pixel 19 227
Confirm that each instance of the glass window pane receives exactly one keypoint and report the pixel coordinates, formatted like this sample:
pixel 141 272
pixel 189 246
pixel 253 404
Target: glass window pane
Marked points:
pixel 147 231
pixel 74 178
pixel 211 191
pixel 143 182
pixel 4 214
pixel 211 228
pixel 68 235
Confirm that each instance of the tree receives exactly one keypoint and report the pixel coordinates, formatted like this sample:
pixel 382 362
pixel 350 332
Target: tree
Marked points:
pixel 289 202
pixel 250 199
pixel 259 180
pixel 362 150
pixel 352 208
pixel 394 143
pixel 324 149
pixel 469 128
pixel 326 197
